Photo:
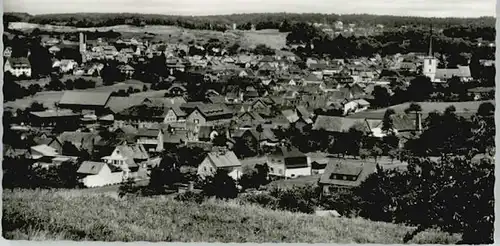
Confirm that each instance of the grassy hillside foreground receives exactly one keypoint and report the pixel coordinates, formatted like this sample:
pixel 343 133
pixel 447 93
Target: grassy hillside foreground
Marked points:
pixel 63 215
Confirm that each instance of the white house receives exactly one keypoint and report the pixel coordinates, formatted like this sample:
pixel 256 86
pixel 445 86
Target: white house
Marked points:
pixel 355 106
pixel 289 163
pixel 18 66
pixel 126 157
pixel 97 174
pixel 65 65
pixel 220 160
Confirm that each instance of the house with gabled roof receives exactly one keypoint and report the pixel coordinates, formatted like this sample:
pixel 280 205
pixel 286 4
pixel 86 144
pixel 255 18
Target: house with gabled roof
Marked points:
pixel 18 66
pixel 250 119
pixel 339 125
pixel 266 137
pixel 83 100
pixel 49 118
pixel 98 174
pixel 221 159
pixel 81 140
pixel 288 162
pixel 312 79
pixel 345 174
pixel 209 114
pixel 127 158
pixel 126 70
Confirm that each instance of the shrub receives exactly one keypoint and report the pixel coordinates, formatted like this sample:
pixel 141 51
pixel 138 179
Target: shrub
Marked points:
pixel 262 199
pixel 221 186
pixel 190 196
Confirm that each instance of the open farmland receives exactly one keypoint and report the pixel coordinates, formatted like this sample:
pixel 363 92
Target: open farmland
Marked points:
pixel 465 109
pixel 102 217
pixel 47 98
pixel 44 81
pixel 247 39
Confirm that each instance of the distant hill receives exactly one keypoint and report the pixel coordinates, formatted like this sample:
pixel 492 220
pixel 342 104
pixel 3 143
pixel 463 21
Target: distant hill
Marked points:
pixel 244 21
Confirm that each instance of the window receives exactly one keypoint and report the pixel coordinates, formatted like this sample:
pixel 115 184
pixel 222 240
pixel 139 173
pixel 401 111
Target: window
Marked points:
pixel 293 175
pixel 271 169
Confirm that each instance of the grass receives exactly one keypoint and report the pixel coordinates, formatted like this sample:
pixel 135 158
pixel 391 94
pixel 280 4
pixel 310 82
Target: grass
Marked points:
pixel 465 109
pixel 58 215
pixel 247 39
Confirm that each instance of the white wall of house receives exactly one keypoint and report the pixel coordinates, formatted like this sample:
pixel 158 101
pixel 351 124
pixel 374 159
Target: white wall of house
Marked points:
pixel 277 168
pixel 206 169
pixel 297 172
pixel 17 71
pixel 104 177
pixel 235 173
pixel 170 117
pixel 195 117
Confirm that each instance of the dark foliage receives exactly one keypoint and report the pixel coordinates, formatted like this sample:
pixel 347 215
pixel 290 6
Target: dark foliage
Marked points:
pixel 221 185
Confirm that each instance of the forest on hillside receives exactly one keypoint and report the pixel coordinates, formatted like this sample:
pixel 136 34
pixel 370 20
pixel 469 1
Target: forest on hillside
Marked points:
pixel 243 21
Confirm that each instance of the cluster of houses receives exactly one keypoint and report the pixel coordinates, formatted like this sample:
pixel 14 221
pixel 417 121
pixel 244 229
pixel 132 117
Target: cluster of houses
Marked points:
pixel 124 136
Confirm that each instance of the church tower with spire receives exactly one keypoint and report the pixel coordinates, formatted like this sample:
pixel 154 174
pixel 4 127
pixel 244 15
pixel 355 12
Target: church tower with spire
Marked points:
pixel 430 62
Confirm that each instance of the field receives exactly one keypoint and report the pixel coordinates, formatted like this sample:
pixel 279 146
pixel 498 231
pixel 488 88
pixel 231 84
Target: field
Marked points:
pixel 247 39
pixel 465 109
pixel 100 217
pixel 49 98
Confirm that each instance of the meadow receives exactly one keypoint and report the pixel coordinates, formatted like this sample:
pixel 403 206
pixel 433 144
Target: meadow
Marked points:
pixel 101 217
pixel 247 39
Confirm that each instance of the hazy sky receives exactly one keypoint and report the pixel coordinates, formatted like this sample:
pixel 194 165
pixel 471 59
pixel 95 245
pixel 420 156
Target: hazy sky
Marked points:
pixel 438 8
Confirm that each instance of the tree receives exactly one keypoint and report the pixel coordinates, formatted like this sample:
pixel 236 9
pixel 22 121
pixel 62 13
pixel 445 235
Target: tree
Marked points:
pixel 381 95
pixel 221 185
pixel 486 109
pixel 414 107
pixel 440 201
pixel 388 122
pixel 55 84
pixel 36 107
pixel 262 49
pixel 69 84
pixel 127 187
pixel 165 175
pixel 420 88
pixel 110 74
pixel 255 177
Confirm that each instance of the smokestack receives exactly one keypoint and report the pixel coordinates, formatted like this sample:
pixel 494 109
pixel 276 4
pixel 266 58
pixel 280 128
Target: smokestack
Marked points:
pixel 418 122
pixel 430 43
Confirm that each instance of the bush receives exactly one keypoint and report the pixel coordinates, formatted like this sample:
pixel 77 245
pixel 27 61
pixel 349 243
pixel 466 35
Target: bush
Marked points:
pixel 190 196
pixel 262 199
pixel 297 199
pixel 221 186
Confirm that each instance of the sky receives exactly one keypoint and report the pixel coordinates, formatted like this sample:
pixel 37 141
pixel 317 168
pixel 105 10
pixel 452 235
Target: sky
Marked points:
pixel 426 8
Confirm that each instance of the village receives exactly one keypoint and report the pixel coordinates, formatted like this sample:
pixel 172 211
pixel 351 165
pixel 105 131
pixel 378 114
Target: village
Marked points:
pixel 244 121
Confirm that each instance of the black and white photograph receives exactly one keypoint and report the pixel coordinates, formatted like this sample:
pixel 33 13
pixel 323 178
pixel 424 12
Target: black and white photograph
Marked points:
pixel 248 121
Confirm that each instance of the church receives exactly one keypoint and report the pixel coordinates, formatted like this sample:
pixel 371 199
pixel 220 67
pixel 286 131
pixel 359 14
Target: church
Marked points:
pixel 442 75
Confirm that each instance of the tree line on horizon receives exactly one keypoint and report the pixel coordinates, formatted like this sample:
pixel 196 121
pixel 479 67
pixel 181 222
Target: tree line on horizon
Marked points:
pixel 243 21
